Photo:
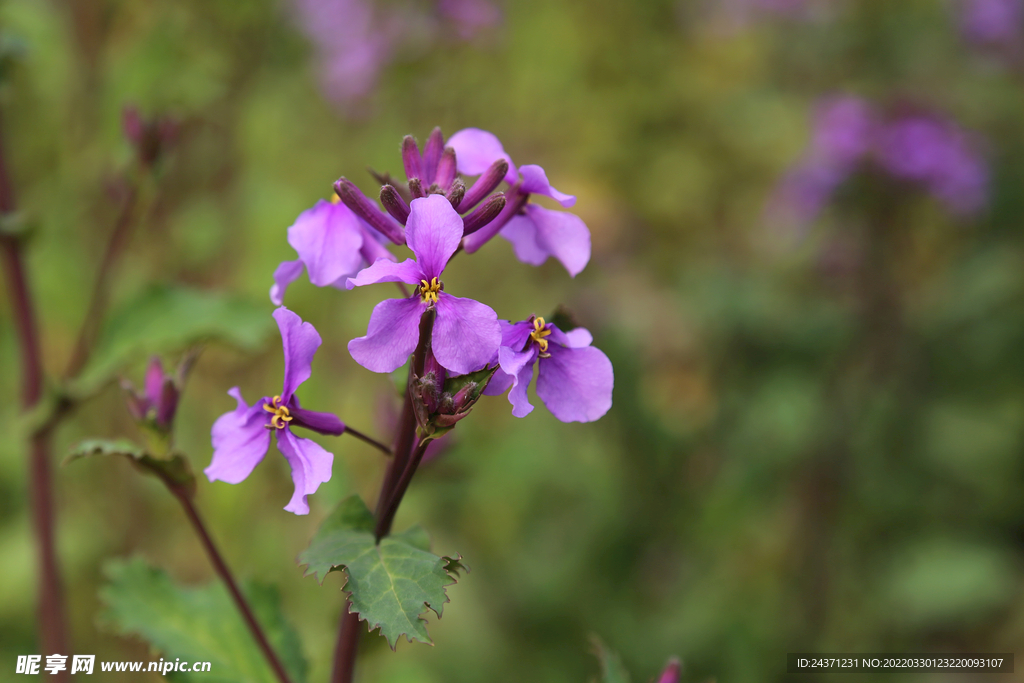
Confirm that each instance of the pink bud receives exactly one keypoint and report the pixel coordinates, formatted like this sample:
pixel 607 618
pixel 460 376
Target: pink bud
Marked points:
pixel 672 671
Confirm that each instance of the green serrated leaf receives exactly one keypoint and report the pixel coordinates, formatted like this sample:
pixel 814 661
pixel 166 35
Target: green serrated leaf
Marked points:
pixel 199 624
pixel 416 536
pixel 166 318
pixel 389 584
pixel 173 469
pixel 612 670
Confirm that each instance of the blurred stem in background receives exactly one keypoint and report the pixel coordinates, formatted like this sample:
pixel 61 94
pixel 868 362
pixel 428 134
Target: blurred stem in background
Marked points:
pixel 45 416
pixel 52 615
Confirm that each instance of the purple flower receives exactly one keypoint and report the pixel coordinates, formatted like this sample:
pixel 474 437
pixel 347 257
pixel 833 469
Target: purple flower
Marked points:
pixel 992 21
pixel 574 379
pixel 241 437
pixel 938 155
pixel 333 244
pixel 158 402
pixel 535 232
pixel 466 333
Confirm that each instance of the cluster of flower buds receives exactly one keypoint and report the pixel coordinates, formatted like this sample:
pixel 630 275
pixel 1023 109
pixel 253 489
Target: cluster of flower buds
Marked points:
pixel 463 350
pixel 151 138
pixel 154 407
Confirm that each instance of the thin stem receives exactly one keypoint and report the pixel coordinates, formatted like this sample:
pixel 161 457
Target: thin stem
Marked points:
pixel 347 647
pixel 363 437
pixel 397 476
pixel 52 618
pixel 225 574
pixel 403 289
pixel 101 288
pixel 385 520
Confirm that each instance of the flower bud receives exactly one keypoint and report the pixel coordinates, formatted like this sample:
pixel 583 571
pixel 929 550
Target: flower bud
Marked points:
pixel 394 203
pixel 416 189
pixel 486 183
pixel 368 211
pixel 411 159
pixel 446 168
pixel 456 193
pixel 672 671
pixel 156 405
pixel 432 155
pixel 150 138
pixel 483 215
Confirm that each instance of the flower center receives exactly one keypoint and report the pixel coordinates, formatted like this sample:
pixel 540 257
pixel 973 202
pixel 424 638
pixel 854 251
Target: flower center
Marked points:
pixel 428 291
pixel 281 417
pixel 541 330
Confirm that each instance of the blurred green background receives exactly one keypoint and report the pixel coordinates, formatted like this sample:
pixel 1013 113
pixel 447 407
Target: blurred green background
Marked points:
pixel 806 452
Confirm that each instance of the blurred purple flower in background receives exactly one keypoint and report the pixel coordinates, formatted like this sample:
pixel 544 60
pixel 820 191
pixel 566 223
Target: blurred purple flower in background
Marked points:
pixel 841 136
pixel 937 154
pixel 992 21
pixel 470 16
pixel 354 41
pixel 846 133
pixel 352 45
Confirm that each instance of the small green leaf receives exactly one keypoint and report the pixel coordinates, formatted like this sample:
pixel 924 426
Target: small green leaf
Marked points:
pixel 199 624
pixel 389 584
pixel 612 670
pixel 481 377
pixel 174 469
pixel 123 447
pixel 167 318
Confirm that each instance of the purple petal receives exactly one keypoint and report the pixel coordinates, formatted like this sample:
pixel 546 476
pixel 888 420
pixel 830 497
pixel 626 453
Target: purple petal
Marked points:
pixel 535 181
pixel 240 440
pixel 154 381
pixel 287 272
pixel 466 334
pixel 514 335
pixel 576 384
pixel 328 239
pixel 500 382
pixel 563 235
pixel 519 366
pixel 373 246
pixel 477 149
pixel 522 233
pixel 311 466
pixel 577 338
pixel 300 341
pixel 383 270
pixel 433 233
pixel 324 423
pixel 391 336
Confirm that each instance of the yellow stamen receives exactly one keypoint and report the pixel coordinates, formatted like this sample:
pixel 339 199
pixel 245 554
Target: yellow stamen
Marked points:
pixel 429 290
pixel 335 198
pixel 281 417
pixel 540 330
